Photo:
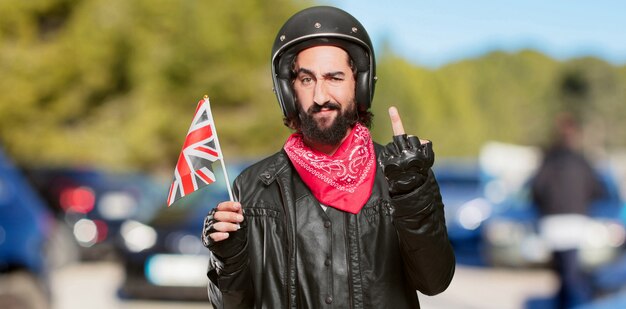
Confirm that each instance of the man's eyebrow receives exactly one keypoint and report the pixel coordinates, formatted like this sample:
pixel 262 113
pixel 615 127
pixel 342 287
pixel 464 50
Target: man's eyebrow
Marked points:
pixel 334 74
pixel 305 71
pixel 329 74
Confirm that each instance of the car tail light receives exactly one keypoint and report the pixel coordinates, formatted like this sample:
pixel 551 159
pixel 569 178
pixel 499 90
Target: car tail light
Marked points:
pixel 103 230
pixel 77 199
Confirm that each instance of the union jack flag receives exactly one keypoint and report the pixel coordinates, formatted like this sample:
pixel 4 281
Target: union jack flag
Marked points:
pixel 201 148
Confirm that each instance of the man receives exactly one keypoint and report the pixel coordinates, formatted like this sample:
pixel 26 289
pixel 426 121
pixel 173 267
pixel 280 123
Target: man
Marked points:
pixel 563 189
pixel 333 219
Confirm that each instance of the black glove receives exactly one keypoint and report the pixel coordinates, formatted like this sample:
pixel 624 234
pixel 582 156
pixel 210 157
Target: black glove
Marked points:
pixel 405 163
pixel 226 248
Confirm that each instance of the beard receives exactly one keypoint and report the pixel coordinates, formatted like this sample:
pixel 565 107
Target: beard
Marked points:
pixel 329 134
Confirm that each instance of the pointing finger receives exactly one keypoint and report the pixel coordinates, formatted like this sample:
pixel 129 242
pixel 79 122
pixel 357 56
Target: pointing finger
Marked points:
pixel 396 122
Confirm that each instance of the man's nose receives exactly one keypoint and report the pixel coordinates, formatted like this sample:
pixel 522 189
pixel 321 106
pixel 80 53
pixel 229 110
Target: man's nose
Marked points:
pixel 320 97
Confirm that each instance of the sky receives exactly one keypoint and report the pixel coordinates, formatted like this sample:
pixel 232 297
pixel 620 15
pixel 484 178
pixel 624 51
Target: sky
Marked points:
pixel 434 33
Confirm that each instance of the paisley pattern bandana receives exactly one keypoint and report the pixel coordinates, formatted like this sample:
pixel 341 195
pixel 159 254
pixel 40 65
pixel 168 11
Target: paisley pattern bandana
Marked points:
pixel 344 180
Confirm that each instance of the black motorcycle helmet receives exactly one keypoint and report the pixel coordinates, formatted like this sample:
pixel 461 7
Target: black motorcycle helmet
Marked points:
pixel 322 25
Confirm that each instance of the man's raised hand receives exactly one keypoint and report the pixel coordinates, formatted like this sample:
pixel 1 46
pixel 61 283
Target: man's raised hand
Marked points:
pixel 406 160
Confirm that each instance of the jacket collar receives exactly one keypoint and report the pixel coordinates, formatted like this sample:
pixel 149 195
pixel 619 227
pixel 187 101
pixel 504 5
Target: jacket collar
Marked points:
pixel 280 162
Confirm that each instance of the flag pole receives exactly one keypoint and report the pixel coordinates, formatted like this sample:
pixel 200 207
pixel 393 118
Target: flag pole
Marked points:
pixel 219 150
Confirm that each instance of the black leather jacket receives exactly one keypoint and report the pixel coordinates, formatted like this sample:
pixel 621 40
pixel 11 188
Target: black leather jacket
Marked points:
pixel 296 255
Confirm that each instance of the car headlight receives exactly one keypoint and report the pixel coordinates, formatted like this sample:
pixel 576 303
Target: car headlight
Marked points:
pixel 472 214
pixel 89 232
pixel 600 234
pixel 514 243
pixel 184 243
pixel 600 243
pixel 504 233
pixel 138 236
pixel 117 205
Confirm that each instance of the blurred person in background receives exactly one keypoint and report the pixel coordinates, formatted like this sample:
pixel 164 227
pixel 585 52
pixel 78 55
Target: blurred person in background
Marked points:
pixel 563 189
pixel 332 218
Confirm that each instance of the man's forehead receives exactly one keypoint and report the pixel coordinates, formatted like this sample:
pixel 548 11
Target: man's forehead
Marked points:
pixel 324 55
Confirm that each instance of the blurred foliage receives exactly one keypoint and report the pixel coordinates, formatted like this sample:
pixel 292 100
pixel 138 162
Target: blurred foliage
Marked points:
pixel 509 97
pixel 114 83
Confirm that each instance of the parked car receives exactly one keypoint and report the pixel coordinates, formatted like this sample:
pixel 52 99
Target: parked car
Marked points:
pixel 163 258
pixel 94 203
pixel 26 225
pixel 466 209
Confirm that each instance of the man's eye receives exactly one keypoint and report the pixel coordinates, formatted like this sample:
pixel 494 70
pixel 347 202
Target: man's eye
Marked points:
pixel 306 80
pixel 335 80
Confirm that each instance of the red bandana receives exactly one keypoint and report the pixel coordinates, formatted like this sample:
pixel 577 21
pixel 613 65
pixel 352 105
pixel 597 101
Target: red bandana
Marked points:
pixel 343 180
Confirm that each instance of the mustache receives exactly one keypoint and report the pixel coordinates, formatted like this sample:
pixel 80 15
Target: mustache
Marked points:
pixel 315 108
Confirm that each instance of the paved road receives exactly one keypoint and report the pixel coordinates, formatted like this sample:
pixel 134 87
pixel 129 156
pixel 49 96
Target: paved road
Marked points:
pixel 94 285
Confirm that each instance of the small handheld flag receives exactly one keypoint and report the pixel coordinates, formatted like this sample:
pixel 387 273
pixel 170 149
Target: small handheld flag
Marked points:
pixel 201 148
